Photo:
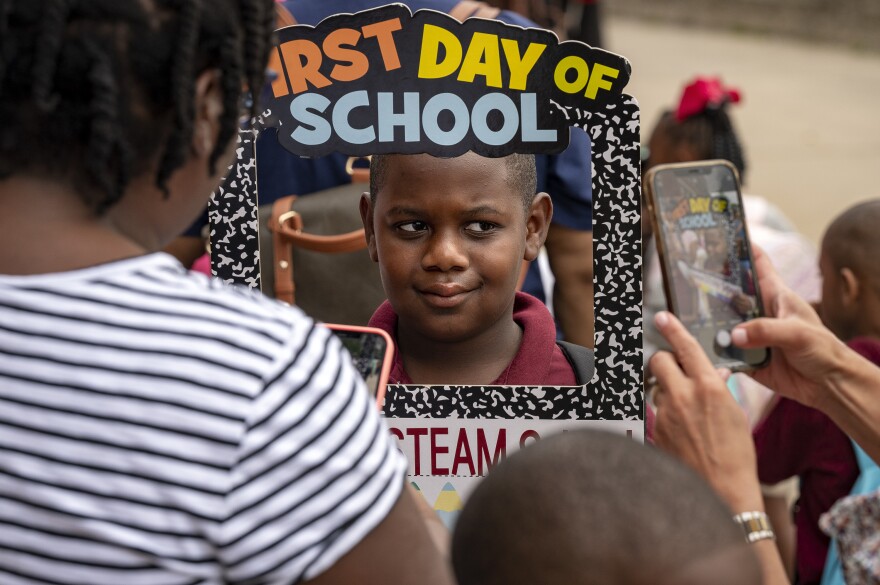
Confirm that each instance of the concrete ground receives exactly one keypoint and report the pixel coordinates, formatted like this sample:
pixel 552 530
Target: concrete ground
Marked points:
pixel 809 120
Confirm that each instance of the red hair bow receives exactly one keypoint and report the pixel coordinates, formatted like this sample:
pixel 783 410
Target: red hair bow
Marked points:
pixel 704 93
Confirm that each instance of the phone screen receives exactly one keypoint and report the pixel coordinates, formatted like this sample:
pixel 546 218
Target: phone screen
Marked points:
pixel 708 265
pixel 368 352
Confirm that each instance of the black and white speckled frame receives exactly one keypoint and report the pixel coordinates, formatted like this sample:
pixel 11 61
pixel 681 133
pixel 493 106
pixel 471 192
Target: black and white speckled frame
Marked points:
pixel 616 391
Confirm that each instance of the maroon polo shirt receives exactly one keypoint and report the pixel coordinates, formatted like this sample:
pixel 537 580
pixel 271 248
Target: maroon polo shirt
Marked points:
pixel 538 362
pixel 795 440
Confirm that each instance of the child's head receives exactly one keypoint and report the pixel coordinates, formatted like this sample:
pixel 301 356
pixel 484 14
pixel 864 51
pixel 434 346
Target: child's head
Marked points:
pixel 698 129
pixel 97 95
pixel 587 508
pixel 850 303
pixel 450 235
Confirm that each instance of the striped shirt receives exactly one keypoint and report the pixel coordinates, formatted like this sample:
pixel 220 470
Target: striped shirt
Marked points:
pixel 158 427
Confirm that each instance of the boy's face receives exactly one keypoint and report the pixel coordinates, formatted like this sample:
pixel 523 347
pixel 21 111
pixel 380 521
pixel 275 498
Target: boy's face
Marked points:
pixel 450 236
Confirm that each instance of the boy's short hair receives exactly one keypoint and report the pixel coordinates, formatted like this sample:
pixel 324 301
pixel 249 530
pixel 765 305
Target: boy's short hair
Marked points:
pixel 853 241
pixel 522 176
pixel 592 507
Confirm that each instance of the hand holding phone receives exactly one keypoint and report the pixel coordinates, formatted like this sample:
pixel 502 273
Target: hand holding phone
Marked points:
pixel 706 259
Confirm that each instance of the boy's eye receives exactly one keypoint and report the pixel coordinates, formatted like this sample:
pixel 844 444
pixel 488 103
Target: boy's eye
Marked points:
pixel 480 226
pixel 412 226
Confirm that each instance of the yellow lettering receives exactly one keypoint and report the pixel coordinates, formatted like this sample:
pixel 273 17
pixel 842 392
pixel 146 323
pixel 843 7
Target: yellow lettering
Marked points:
pixel 432 38
pixel 482 58
pixel 520 66
pixel 565 64
pixel 598 81
pixel 699 204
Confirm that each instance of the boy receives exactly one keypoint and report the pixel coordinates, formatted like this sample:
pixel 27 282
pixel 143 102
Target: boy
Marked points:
pixel 450 236
pixel 797 440
pixel 572 509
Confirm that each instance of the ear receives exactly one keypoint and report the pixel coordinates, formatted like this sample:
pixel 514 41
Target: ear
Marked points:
pixel 537 224
pixel 366 208
pixel 849 287
pixel 208 107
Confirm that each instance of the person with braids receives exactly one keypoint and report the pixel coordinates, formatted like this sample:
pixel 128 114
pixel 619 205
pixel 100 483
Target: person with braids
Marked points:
pixel 157 426
pixel 700 128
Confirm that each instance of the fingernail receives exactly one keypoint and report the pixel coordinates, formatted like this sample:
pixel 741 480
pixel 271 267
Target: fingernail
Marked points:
pixel 661 319
pixel 739 336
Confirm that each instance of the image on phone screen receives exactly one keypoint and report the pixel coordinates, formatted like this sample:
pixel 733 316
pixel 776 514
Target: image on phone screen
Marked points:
pixel 368 353
pixel 708 265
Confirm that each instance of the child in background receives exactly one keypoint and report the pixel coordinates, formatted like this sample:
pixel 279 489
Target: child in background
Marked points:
pixel 450 236
pixel 700 127
pixel 797 440
pixel 573 509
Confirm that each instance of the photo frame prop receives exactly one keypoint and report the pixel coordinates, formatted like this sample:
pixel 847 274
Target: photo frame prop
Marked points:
pixel 452 436
pixel 614 395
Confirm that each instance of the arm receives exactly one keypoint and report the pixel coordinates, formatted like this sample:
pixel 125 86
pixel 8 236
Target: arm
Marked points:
pixel 571 259
pixel 699 421
pixel 399 550
pixel 810 365
pixel 570 238
pixel 317 490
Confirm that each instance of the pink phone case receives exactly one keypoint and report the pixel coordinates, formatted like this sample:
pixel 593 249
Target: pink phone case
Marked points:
pixel 386 361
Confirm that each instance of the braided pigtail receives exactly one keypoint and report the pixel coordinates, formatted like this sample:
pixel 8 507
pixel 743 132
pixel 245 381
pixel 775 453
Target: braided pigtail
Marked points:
pixel 725 143
pixel 258 18
pixel 46 60
pixel 109 157
pixel 230 53
pixel 96 92
pixel 5 13
pixel 183 76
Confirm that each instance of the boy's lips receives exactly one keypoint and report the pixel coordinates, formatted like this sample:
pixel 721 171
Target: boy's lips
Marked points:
pixel 445 295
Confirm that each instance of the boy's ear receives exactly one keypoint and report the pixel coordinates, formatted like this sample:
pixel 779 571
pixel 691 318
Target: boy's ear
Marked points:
pixel 849 287
pixel 537 224
pixel 366 207
pixel 208 109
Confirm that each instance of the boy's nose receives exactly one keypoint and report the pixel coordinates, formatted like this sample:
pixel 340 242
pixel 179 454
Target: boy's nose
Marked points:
pixel 445 252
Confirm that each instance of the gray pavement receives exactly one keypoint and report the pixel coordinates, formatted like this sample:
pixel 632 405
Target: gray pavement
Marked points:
pixel 809 120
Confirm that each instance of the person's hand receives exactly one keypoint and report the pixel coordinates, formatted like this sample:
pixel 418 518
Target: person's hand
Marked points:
pixel 804 354
pixel 698 420
pixel 742 303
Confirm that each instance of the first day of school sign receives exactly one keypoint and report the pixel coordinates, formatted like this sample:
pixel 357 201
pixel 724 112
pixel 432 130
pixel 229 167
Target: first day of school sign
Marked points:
pixel 388 81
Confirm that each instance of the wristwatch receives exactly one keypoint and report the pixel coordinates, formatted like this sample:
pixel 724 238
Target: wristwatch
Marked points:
pixel 755 525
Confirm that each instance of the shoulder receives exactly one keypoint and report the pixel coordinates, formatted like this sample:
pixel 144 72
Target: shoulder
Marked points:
pixel 207 296
pixel 204 316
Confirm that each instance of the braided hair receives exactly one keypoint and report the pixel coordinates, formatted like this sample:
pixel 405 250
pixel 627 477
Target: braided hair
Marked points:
pixel 96 92
pixel 710 133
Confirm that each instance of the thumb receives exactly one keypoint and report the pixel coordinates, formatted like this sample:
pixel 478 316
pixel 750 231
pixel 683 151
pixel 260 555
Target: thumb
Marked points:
pixel 767 332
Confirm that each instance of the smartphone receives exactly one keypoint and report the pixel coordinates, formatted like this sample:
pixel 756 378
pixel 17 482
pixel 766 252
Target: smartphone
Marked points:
pixel 706 259
pixel 372 352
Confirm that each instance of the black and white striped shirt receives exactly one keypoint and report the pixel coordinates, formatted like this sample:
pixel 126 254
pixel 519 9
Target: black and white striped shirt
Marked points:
pixel 158 427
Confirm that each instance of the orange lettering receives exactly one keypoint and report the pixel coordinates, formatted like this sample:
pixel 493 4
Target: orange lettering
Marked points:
pixel 300 72
pixel 383 33
pixel 334 47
